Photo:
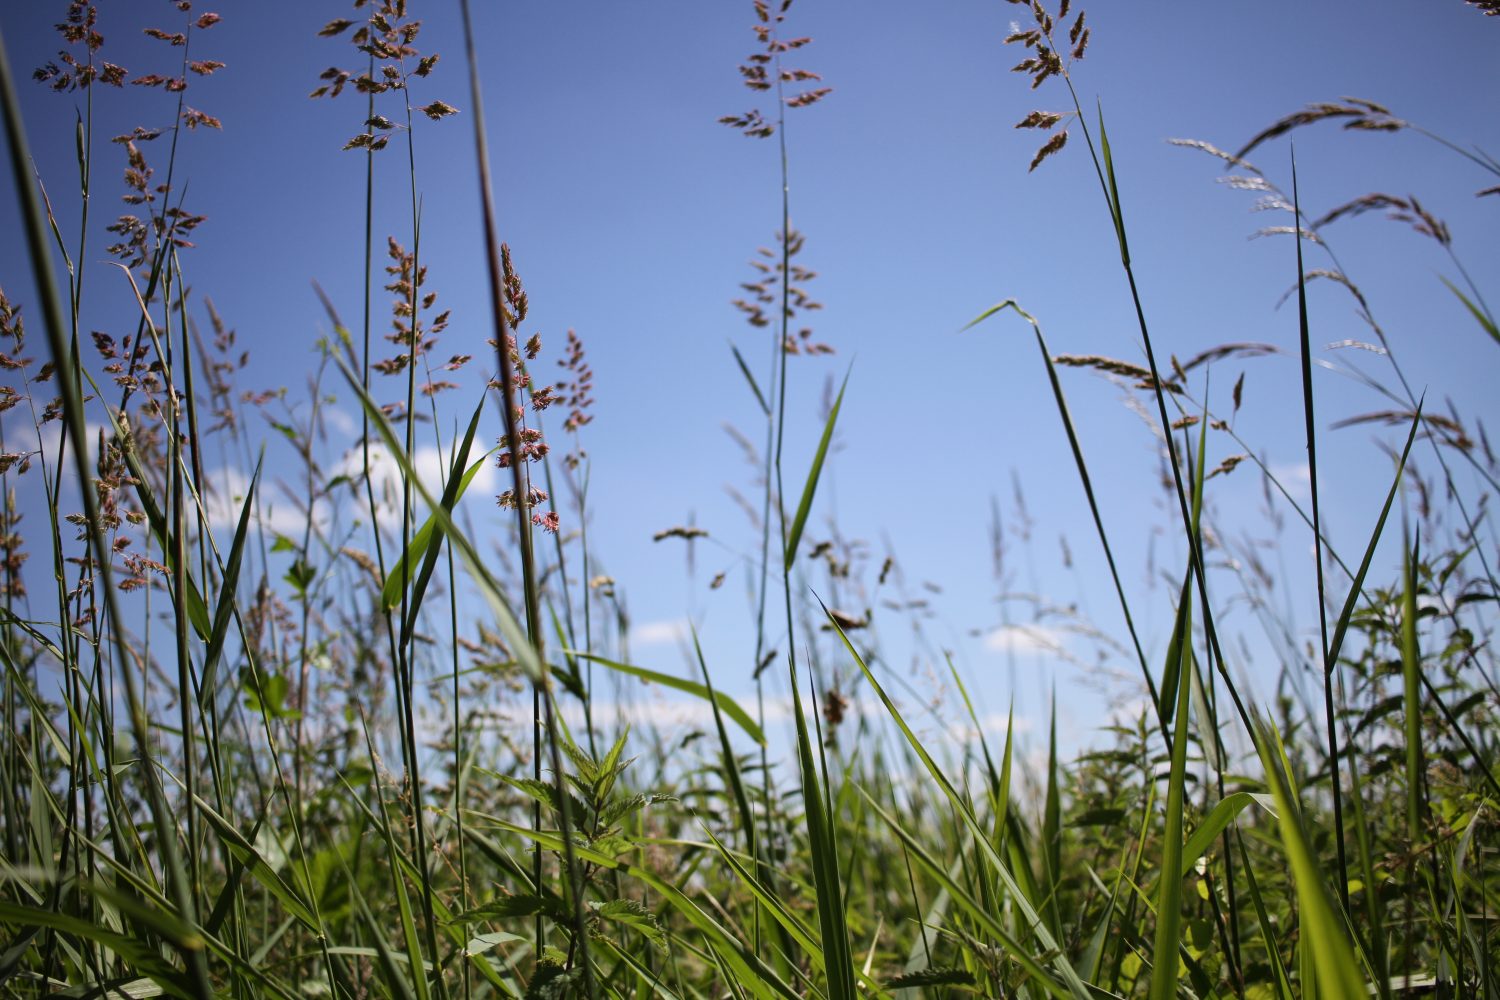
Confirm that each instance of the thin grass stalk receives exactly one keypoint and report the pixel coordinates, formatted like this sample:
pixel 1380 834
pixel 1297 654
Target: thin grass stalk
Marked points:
pixel 1105 173
pixel 1330 667
pixel 1088 489
pixel 541 690
pixel 178 544
pixel 63 358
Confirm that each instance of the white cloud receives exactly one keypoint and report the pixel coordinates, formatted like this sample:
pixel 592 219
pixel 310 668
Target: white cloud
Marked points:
pixel 431 466
pixel 1026 640
pixel 339 420
pixel 274 511
pixel 45 439
pixel 1295 477
pixel 659 633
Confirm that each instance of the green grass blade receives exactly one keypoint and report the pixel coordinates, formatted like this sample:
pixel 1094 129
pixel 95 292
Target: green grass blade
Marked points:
pixel 1034 922
pixel 804 506
pixel 1487 324
pixel 426 543
pixel 228 586
pixel 823 844
pixel 731 764
pixel 1052 830
pixel 1341 627
pixel 1169 893
pixel 760 398
pixel 1323 941
pixel 1113 192
pixel 1214 823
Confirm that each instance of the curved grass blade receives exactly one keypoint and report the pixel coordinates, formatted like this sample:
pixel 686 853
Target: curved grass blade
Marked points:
pixel 723 702
pixel 430 535
pixel 1088 489
pixel 1485 322
pixel 1218 818
pixel 1322 930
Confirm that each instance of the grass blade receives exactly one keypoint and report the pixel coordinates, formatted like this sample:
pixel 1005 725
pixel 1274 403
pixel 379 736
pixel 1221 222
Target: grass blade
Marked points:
pixel 228 586
pixel 837 956
pixel 804 507
pixel 1169 894
pixel 721 701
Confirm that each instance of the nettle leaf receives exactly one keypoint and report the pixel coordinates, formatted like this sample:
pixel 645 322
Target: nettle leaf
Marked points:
pixel 268 697
pixel 301 575
pixel 546 793
pixel 632 914
pixel 549 980
pixel 512 907
pixel 620 808
pixel 930 977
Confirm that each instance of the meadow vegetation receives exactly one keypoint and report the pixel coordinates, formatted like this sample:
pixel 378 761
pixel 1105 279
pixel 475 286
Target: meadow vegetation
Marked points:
pixel 216 780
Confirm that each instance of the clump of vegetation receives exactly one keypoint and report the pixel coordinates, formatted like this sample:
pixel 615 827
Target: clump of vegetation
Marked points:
pixel 219 782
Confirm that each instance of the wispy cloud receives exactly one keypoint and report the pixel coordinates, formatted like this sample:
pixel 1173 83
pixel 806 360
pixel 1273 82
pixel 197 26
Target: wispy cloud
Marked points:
pixel 1026 640
pixel 659 633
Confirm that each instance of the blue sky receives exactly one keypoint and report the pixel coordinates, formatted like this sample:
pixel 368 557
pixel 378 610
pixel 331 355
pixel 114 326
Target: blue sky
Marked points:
pixel 631 214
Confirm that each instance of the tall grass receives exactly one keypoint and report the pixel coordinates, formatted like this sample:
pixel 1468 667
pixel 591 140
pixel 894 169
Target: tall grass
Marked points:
pixel 295 787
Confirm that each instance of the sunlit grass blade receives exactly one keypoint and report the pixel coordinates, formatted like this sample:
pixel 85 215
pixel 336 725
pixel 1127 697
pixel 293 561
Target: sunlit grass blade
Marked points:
pixel 1052 830
pixel 1219 818
pixel 1169 893
pixel 1323 938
